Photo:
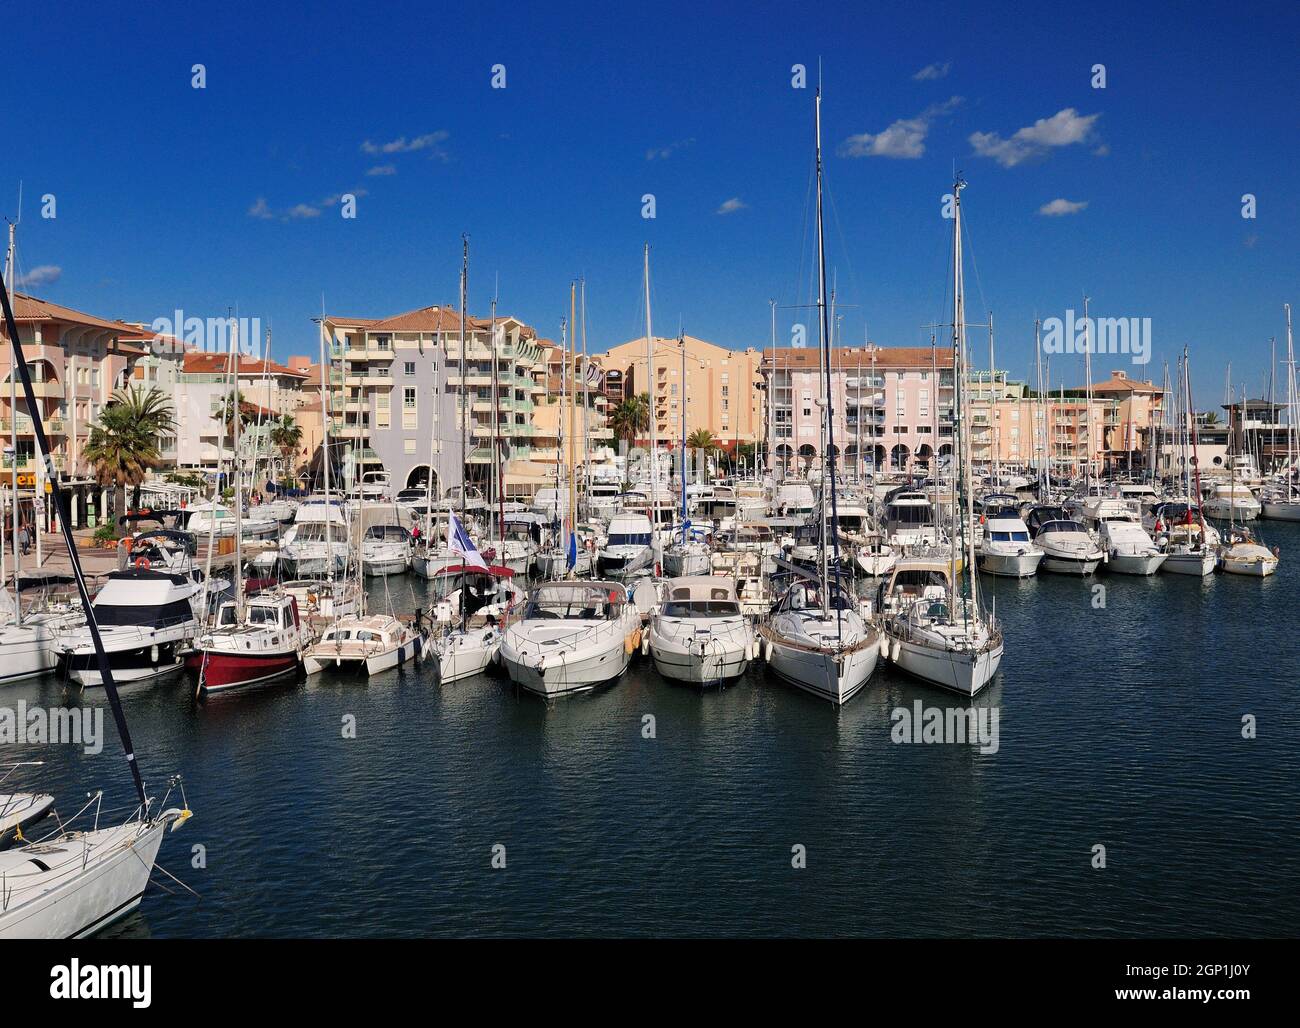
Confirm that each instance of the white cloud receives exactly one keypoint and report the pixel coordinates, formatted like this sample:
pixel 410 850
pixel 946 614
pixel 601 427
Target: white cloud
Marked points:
pixel 732 205
pixel 41 275
pixel 1062 129
pixel 664 152
pixel 932 71
pixel 431 141
pixel 1061 206
pixel 905 138
pixel 383 169
pixel 302 210
pixel 261 209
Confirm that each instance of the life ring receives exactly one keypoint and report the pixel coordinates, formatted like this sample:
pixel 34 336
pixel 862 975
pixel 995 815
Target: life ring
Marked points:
pixel 142 563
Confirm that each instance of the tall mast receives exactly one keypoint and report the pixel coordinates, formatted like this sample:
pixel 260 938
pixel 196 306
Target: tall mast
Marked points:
pixel 235 470
pixel 326 373
pixel 464 389
pixel 570 361
pixel 770 443
pixel 496 480
pixel 1087 393
pixel 823 327
pixel 960 376
pixel 586 403
pixel 650 400
pixel 13 437
pixel 1291 441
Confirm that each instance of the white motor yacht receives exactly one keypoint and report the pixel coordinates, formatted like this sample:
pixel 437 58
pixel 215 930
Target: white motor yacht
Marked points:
pixel 1006 548
pixel 699 633
pixel 146 622
pixel 1232 502
pixel 385 550
pixel 1067 546
pixel 572 636
pixel 371 643
pixel 627 547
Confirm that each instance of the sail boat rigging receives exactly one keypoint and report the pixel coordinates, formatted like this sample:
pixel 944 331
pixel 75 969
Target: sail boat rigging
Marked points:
pixel 106 876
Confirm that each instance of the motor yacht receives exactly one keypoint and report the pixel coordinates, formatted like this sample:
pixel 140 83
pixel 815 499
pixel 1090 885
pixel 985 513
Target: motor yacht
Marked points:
pixel 699 633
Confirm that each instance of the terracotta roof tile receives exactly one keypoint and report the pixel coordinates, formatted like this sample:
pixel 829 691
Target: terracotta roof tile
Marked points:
pixel 219 363
pixel 29 308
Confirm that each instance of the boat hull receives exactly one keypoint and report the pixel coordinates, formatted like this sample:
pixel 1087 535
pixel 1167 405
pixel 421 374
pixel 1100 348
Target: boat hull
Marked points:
pixel 1135 563
pixel 1198 565
pixel 1010 565
pixel 710 661
pixel 1061 565
pixel 81 900
pixel 221 671
pixel 834 677
pixel 959 671
pixel 563 676
pixel 463 655
pixel 1281 510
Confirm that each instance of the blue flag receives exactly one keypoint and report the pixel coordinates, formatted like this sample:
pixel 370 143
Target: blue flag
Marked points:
pixel 573 550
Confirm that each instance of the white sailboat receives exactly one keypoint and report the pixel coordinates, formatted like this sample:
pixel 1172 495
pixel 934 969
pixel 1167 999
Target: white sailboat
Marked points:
pixel 815 637
pixel 74 883
pixel 1282 502
pixel 948 640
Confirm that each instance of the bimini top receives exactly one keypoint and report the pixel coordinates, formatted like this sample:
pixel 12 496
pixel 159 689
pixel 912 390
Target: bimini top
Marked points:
pixel 576 600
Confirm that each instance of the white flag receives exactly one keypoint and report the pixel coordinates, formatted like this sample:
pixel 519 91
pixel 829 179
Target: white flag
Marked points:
pixel 458 541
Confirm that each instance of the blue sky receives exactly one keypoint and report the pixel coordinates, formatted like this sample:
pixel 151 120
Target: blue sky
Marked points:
pixel 172 197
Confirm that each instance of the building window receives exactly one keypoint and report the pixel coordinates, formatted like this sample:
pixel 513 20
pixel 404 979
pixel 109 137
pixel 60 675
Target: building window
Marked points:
pixel 408 369
pixel 408 398
pixel 408 445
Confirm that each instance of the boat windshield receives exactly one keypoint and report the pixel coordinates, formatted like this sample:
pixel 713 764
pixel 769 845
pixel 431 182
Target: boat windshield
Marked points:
pixel 1010 537
pixel 585 601
pixel 254 615
pixel 1062 526
pixel 701 608
pixel 629 539
pixel 387 533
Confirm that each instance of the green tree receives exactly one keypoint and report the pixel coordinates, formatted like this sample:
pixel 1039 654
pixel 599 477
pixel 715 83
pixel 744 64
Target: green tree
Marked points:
pixel 631 417
pixel 286 436
pixel 123 445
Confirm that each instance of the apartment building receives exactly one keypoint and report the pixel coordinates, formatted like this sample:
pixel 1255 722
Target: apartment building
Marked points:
pixel 717 388
pixel 76 360
pixel 198 385
pixel 403 390
pixel 892 407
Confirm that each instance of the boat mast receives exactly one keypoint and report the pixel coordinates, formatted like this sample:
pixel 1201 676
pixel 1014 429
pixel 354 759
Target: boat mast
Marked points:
pixel 650 406
pixel 1290 409
pixel 1087 392
pixel 326 373
pixel 823 328
pixel 464 388
pixel 570 362
pixel 586 403
pixel 494 480
pixel 13 438
pixel 235 469
pixel 960 375
pixel 681 342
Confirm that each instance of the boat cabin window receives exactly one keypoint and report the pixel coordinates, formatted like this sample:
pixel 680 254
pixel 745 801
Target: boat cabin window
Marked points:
pixel 1062 526
pixel 387 533
pixel 629 539
pixel 1010 537
pixel 154 616
pixel 701 608
pixel 585 601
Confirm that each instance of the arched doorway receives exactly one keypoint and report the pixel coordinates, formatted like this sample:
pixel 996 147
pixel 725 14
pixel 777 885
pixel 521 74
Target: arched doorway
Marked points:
pixel 418 478
pixel 924 455
pixel 807 453
pixel 898 457
pixel 784 455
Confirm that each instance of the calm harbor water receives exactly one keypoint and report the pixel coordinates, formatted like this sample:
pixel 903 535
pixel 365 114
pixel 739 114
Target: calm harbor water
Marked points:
pixel 1119 726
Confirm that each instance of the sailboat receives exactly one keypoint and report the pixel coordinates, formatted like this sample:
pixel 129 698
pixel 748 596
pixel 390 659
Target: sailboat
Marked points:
pixel 1282 502
pixel 686 555
pixel 254 640
pixel 19 810
pixel 72 884
pixel 815 637
pixel 1192 546
pixel 948 640
pixel 1244 554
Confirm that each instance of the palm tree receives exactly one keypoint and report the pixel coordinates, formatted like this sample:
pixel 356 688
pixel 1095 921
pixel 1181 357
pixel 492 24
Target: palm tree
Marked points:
pixel 630 417
pixel 1211 418
pixel 701 439
pixel 286 436
pixel 225 414
pixel 123 446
